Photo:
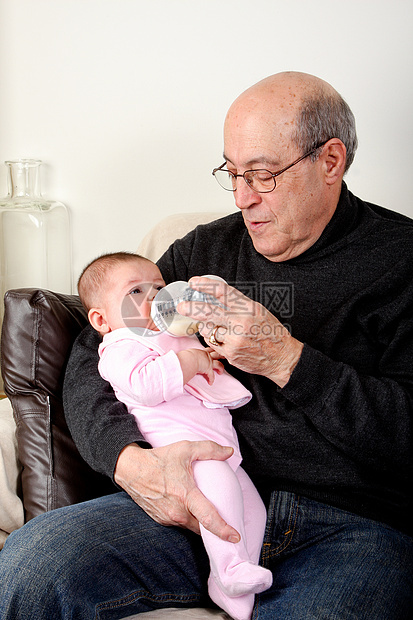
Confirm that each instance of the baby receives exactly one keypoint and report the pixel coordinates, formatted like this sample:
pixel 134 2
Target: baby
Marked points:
pixel 177 391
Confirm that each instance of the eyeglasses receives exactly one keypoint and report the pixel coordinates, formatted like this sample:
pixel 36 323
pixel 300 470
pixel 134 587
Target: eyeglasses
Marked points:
pixel 260 181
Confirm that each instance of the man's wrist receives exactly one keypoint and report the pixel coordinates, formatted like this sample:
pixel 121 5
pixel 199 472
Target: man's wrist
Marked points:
pixel 123 463
pixel 288 357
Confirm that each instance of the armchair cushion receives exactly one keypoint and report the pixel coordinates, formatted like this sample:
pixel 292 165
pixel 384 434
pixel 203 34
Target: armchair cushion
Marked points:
pixel 39 328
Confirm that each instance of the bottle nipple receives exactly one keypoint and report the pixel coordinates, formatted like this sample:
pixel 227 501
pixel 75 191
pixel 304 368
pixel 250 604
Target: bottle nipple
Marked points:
pixel 164 307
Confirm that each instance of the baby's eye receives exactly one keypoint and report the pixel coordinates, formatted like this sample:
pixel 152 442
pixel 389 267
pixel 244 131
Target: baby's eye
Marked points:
pixel 160 287
pixel 135 291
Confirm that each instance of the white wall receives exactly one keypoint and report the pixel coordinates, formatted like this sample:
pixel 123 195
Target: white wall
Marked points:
pixel 124 99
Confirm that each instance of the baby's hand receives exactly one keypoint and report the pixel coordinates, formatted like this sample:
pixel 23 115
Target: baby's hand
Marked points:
pixel 216 355
pixel 208 366
pixel 217 367
pixel 199 362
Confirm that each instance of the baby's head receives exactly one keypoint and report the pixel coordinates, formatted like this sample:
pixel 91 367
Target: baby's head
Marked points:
pixel 119 286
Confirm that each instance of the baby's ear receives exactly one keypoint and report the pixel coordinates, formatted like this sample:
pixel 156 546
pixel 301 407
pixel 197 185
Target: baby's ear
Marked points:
pixel 98 321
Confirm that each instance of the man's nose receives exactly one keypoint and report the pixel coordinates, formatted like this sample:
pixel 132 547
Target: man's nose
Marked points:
pixel 244 196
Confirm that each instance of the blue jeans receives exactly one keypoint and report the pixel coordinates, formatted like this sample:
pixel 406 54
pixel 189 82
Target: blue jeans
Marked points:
pixel 106 559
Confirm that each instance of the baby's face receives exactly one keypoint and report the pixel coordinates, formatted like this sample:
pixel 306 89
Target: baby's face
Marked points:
pixel 133 286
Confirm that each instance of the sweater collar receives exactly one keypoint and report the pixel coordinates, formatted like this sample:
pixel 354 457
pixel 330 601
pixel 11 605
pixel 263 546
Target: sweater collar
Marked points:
pixel 343 221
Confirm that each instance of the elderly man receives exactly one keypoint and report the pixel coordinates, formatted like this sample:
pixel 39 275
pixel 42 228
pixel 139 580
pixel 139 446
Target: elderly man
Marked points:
pixel 319 327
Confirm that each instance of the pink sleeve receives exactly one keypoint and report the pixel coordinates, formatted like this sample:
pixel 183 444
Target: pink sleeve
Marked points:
pixel 140 373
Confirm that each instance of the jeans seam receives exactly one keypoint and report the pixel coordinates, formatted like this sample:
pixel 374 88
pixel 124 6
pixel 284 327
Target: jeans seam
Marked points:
pixel 268 552
pixel 143 594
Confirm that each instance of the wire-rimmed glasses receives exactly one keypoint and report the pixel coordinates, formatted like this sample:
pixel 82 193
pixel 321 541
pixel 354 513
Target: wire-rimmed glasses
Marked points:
pixel 261 181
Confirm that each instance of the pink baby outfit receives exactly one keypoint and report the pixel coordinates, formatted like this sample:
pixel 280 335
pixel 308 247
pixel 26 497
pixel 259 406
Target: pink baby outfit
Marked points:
pixel 146 375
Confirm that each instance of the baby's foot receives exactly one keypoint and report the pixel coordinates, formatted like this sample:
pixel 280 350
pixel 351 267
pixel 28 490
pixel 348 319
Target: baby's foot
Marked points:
pixel 239 607
pixel 244 578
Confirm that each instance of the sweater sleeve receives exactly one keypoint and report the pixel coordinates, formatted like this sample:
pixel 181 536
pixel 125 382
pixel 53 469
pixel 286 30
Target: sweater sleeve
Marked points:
pixel 362 401
pixel 100 424
pixel 366 417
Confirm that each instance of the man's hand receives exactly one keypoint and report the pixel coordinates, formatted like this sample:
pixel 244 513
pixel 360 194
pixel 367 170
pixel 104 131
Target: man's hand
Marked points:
pixel 250 337
pixel 160 481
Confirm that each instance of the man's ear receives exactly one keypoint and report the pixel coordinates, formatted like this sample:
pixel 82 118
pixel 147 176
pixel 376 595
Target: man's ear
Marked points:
pixel 98 321
pixel 334 158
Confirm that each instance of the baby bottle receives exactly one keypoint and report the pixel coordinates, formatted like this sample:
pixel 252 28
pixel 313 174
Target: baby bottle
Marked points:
pixel 164 312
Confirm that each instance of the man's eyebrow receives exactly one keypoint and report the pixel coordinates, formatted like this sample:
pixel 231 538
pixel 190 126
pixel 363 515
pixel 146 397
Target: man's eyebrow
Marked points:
pixel 260 160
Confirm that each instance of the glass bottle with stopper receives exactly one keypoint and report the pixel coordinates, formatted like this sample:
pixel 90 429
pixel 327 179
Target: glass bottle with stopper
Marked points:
pixel 35 246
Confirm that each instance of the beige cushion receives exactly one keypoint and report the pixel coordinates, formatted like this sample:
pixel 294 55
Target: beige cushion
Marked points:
pixel 11 507
pixel 173 227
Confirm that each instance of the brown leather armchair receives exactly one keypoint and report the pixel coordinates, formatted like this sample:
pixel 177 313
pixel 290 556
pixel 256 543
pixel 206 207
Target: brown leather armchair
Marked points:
pixel 39 328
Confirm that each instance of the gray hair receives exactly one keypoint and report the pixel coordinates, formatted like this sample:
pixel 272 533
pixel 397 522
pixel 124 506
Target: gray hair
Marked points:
pixel 324 116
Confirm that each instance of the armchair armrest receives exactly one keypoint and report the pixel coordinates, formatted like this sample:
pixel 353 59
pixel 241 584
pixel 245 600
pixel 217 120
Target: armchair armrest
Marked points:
pixel 39 328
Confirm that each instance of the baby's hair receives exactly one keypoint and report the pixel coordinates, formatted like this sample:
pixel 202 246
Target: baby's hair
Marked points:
pixel 94 275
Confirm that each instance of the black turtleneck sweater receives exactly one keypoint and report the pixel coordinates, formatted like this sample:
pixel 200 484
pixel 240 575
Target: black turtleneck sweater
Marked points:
pixel 340 431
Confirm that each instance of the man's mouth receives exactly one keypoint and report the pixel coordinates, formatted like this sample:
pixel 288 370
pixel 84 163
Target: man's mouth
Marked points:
pixel 256 226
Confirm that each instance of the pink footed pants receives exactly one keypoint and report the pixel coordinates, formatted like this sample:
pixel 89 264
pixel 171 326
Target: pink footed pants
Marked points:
pixel 235 575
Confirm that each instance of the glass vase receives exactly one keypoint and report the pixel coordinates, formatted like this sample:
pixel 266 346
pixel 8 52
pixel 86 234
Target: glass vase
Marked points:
pixel 35 245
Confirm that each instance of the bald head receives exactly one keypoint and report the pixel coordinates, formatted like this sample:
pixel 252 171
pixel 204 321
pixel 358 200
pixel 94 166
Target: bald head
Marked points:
pixel 287 86
pixel 298 108
pixel 300 130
